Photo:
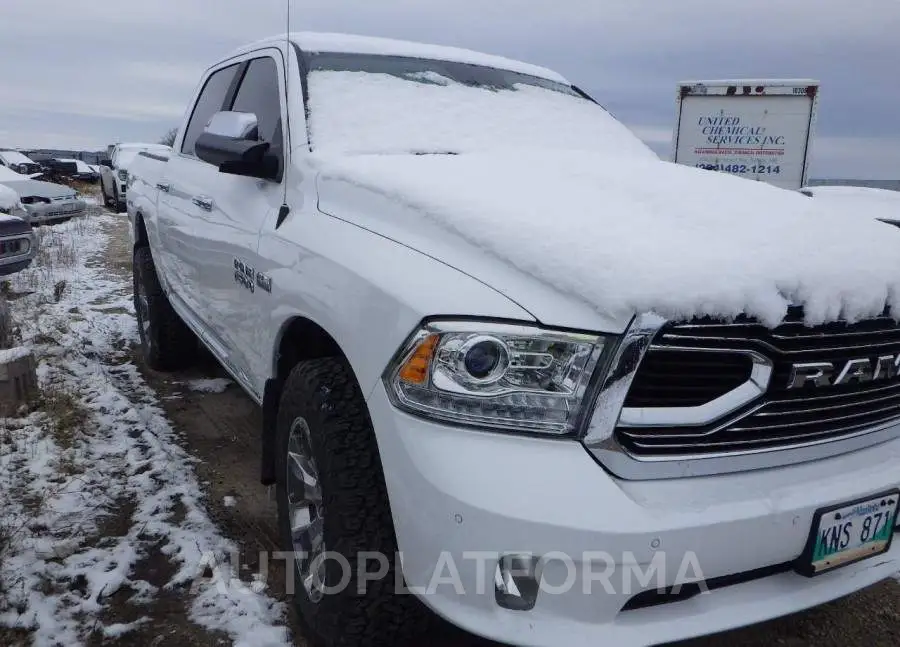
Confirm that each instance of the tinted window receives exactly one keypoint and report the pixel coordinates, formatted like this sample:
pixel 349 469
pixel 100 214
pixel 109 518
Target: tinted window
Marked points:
pixel 211 100
pixel 259 94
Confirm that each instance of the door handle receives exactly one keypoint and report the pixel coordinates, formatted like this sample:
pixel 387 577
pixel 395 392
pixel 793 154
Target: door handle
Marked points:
pixel 163 186
pixel 203 202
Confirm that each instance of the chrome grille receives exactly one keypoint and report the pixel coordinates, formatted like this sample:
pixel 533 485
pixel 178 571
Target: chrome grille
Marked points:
pixel 780 417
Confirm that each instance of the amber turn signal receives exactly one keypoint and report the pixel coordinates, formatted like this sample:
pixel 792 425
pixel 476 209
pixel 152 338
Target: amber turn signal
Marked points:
pixel 415 368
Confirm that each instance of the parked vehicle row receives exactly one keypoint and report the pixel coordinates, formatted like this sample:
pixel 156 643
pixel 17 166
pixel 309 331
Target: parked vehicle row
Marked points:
pixel 483 319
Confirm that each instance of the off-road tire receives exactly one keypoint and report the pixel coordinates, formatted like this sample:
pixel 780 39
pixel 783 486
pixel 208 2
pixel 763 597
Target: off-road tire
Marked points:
pixel 168 344
pixel 357 514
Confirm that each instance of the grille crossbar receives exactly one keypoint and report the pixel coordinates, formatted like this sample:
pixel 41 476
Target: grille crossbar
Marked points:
pixel 781 417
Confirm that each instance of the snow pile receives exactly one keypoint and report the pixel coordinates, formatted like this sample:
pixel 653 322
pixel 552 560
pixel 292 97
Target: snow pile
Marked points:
pixel 100 451
pixel 361 112
pixel 627 235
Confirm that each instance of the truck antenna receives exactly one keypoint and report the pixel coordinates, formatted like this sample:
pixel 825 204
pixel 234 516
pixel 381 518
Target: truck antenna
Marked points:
pixel 286 130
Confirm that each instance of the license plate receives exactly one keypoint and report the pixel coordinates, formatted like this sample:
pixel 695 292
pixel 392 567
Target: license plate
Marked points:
pixel 849 532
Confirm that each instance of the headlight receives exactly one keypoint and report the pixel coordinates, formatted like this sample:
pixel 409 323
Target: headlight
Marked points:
pixel 34 199
pixel 123 174
pixel 23 168
pixel 501 376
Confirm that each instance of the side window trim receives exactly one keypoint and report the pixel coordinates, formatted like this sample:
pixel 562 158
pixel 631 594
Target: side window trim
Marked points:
pixel 236 81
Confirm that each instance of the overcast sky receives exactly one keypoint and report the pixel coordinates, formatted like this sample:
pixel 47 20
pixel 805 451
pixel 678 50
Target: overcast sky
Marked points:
pixel 85 73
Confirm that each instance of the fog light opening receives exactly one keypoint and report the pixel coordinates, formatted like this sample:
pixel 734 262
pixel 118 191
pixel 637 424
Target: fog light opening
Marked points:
pixel 516 582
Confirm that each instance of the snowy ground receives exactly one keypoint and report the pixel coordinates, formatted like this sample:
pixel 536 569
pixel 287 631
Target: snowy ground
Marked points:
pixel 102 517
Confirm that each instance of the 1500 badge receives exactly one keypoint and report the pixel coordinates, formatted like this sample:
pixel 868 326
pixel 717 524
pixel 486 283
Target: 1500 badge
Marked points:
pixel 249 278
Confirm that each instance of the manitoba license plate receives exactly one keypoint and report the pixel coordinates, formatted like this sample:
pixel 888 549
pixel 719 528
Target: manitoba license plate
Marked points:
pixel 850 532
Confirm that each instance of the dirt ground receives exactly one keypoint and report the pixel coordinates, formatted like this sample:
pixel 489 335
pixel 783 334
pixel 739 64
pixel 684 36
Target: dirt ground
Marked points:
pixel 221 430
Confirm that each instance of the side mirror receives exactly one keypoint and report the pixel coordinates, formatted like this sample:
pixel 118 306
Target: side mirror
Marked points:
pixel 105 162
pixel 231 142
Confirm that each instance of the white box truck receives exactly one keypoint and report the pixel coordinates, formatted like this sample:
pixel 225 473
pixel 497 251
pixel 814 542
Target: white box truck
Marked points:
pixel 759 129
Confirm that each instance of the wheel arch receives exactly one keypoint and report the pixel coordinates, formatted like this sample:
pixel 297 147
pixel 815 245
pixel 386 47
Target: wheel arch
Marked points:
pixel 299 339
pixel 141 239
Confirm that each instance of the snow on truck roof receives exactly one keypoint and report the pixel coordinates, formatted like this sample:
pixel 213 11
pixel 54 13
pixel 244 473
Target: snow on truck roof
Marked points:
pixel 318 42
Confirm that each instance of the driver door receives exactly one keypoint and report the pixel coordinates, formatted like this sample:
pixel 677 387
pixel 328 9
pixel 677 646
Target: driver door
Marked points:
pixel 228 211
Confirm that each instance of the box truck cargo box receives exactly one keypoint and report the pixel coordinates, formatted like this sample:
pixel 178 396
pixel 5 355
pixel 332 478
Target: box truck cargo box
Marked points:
pixel 756 129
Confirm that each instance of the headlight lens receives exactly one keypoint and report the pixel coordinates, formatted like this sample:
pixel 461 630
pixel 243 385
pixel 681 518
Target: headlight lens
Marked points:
pixel 501 376
pixel 123 174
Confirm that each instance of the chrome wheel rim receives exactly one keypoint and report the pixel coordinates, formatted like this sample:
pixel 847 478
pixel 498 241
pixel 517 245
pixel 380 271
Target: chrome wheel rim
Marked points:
pixel 305 510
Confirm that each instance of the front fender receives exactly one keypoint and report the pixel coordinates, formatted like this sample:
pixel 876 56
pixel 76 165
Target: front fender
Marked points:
pixel 366 291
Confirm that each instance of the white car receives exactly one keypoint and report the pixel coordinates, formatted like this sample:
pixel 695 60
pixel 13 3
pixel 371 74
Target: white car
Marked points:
pixel 510 362
pixel 44 202
pixel 114 171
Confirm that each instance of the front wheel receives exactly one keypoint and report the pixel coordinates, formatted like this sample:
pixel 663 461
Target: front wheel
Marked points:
pixel 106 201
pixel 167 342
pixel 332 506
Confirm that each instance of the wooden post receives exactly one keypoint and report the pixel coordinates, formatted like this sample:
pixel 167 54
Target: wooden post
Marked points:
pixel 18 379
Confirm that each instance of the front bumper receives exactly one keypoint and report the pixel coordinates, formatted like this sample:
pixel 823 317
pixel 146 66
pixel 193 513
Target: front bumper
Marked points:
pixel 42 213
pixel 460 498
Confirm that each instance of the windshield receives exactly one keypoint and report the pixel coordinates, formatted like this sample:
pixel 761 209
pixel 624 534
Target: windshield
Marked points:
pixel 386 104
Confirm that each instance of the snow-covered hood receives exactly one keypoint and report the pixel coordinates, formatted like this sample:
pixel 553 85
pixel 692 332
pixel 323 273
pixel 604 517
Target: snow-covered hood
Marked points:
pixel 40 189
pixel 573 234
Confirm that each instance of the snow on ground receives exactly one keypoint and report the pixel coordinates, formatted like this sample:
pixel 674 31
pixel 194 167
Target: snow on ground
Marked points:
pixel 96 448
pixel 209 385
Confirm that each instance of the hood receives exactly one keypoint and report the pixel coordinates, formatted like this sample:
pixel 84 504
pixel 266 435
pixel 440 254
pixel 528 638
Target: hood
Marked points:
pixel 40 189
pixel 582 239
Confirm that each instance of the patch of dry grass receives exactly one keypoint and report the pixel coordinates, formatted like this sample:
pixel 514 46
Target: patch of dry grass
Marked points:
pixel 66 416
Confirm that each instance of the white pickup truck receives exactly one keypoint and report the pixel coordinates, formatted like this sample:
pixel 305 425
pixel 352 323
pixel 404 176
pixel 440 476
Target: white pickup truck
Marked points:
pixel 574 394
